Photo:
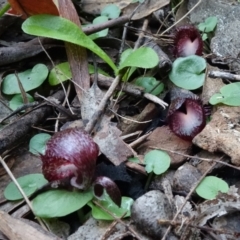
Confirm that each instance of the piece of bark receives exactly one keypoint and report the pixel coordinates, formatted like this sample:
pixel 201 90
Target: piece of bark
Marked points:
pixel 16 229
pixel 18 129
pixel 25 50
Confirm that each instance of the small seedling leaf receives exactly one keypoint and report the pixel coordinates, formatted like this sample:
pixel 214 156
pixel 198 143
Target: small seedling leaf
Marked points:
pixel 62 72
pixel 143 57
pixel 62 29
pixel 188 72
pixel 29 183
pixel 58 203
pixel 17 101
pixel 102 33
pixel 30 80
pixel 99 213
pixel 209 24
pixel 150 84
pixel 111 11
pixel 157 161
pixel 210 186
pixel 38 142
pixel 229 95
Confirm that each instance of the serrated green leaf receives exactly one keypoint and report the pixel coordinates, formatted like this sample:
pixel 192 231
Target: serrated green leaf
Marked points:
pixel 59 203
pixel 143 57
pixel 111 11
pixel 29 183
pixel 150 84
pixel 38 142
pixel 157 161
pixel 17 101
pixel 62 29
pixel 210 186
pixel 188 72
pixel 30 80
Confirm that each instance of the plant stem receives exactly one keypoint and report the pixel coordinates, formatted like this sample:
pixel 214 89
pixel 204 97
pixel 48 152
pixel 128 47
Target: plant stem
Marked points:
pixel 150 176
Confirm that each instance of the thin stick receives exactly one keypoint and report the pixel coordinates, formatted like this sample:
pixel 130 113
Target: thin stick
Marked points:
pixel 207 229
pixel 224 75
pixel 204 159
pixel 187 198
pixel 5 166
pixel 181 18
pixel 117 219
pixel 102 105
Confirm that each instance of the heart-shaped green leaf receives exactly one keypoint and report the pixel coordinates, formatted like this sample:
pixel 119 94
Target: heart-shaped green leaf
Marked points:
pixel 210 186
pixel 188 72
pixel 229 95
pixel 17 101
pixel 102 33
pixel 209 24
pixel 111 11
pixel 157 161
pixel 29 183
pixel 30 80
pixel 38 142
pixel 65 30
pixel 150 84
pixel 58 203
pixel 62 72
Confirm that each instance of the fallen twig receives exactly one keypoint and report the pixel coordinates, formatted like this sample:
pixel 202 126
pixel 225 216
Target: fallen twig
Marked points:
pixel 224 75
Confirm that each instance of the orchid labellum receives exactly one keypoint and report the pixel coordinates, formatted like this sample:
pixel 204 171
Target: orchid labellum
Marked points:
pixel 186 115
pixel 187 41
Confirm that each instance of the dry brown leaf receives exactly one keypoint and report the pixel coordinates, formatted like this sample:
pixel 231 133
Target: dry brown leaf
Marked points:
pixel 16 229
pixel 107 135
pixel 95 7
pixel 145 9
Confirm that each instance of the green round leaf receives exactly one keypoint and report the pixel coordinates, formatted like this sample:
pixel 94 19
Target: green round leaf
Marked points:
pixel 99 213
pixel 17 101
pixel 209 24
pixel 143 57
pixel 157 161
pixel 102 33
pixel 29 183
pixel 59 73
pixel 30 79
pixel 229 95
pixel 58 203
pixel 38 142
pixel 187 72
pixel 150 83
pixel 210 186
pixel 62 72
pixel 63 29
pixel 111 11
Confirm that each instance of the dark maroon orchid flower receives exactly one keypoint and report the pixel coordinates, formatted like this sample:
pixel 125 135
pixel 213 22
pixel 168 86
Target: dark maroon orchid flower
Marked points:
pixel 186 116
pixel 70 154
pixel 187 41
